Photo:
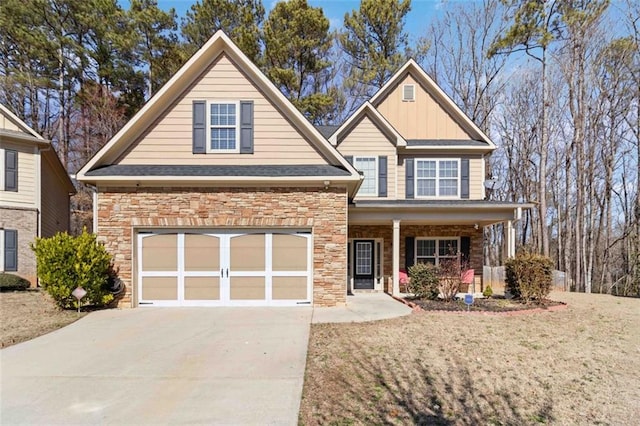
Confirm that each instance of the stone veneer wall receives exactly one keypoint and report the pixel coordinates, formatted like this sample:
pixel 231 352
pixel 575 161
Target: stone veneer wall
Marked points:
pixel 123 210
pixel 386 232
pixel 25 221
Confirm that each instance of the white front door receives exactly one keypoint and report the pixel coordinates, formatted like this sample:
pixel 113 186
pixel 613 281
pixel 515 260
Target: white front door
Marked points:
pixel 227 268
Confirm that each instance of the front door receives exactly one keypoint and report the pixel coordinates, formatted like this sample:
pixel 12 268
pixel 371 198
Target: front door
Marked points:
pixel 363 274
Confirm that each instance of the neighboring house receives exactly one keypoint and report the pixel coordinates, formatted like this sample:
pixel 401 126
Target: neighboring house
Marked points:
pixel 220 192
pixel 34 194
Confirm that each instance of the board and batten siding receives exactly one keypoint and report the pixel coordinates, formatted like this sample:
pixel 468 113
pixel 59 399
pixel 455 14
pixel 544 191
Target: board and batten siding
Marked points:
pixel 168 141
pixel 25 197
pixel 476 178
pixel 55 200
pixel 366 140
pixel 423 118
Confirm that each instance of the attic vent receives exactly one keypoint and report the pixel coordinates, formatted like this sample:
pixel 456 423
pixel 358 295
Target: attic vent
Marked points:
pixel 409 92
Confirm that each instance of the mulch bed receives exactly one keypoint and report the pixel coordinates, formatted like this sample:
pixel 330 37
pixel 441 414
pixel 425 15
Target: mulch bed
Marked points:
pixel 493 304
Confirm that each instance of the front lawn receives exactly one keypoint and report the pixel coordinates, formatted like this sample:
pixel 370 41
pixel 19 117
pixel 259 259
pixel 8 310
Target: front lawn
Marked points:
pixel 29 314
pixel 579 365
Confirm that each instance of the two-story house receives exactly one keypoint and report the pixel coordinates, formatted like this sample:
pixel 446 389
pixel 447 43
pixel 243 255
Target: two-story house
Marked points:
pixel 34 194
pixel 220 192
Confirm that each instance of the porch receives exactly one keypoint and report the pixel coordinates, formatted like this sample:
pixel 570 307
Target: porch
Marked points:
pixel 386 237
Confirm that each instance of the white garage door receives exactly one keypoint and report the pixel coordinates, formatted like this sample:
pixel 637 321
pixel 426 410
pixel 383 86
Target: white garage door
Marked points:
pixel 224 268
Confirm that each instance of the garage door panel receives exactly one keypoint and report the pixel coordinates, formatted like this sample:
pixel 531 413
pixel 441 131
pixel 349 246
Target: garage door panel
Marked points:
pixel 247 288
pixel 289 252
pixel 159 288
pixel 202 288
pixel 160 252
pixel 247 252
pixel 289 288
pixel 201 252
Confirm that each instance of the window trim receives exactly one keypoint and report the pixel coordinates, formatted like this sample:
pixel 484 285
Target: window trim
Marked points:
pixel 413 92
pixel 437 252
pixel 437 177
pixel 1 178
pixel 375 178
pixel 211 102
pixel 2 247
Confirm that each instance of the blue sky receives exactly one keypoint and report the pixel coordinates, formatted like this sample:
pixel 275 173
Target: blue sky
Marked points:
pixel 422 11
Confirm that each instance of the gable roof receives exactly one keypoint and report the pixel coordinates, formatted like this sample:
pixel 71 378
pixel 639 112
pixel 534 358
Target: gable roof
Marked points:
pixel 217 45
pixel 368 110
pixel 27 132
pixel 411 67
pixel 29 136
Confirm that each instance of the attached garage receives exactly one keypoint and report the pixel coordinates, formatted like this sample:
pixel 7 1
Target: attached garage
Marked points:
pixel 224 268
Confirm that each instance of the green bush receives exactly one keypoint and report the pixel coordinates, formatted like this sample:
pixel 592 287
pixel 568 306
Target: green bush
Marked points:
pixel 529 276
pixel 10 282
pixel 488 292
pixel 424 281
pixel 66 262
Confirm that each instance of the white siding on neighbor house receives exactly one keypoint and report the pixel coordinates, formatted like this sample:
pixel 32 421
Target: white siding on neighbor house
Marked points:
pixel 423 118
pixel 476 179
pixel 367 140
pixel 169 139
pixel 27 177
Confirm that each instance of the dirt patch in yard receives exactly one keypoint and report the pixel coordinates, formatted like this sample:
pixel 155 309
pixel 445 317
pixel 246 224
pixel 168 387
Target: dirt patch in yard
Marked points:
pixel 494 304
pixel 29 314
pixel 578 365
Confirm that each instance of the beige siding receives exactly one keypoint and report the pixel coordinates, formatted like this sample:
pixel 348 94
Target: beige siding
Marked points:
pixel 476 178
pixel 367 140
pixel 55 201
pixel 26 195
pixel 422 119
pixel 8 124
pixel 168 140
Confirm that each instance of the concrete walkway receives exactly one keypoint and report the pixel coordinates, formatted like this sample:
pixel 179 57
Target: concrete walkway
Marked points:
pixel 362 307
pixel 231 366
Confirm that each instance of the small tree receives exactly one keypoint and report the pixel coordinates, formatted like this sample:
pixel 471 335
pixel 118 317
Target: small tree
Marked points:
pixel 424 281
pixel 529 276
pixel 66 262
pixel 450 271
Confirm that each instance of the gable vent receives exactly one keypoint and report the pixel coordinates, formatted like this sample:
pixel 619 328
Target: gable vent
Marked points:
pixel 409 92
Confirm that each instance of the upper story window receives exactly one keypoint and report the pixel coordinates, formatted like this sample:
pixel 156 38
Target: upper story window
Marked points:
pixel 409 92
pixel 223 127
pixel 434 250
pixel 437 178
pixel 369 167
pixel 9 170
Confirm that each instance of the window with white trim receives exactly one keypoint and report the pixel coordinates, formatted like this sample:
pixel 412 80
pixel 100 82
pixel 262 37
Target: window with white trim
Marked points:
pixel 223 127
pixel 434 250
pixel 437 178
pixel 369 167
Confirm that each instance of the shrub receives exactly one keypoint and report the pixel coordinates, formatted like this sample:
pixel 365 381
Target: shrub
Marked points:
pixel 424 281
pixel 488 292
pixel 10 282
pixel 66 262
pixel 450 273
pixel 529 276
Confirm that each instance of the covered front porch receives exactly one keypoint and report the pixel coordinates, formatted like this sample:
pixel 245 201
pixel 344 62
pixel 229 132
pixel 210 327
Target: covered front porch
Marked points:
pixel 386 237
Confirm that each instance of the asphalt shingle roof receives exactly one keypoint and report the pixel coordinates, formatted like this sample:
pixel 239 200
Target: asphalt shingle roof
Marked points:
pixel 444 142
pixel 222 170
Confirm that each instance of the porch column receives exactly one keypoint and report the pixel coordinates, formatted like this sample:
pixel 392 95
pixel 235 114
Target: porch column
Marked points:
pixel 396 257
pixel 511 239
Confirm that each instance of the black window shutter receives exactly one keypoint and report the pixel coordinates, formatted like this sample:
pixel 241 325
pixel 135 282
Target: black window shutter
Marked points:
pixel 246 127
pixel 349 158
pixel 382 176
pixel 199 127
pixel 409 251
pixel 11 170
pixel 10 250
pixel 465 248
pixel 464 178
pixel 409 180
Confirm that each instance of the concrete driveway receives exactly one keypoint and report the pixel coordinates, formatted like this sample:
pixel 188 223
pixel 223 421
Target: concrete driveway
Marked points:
pixel 161 366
